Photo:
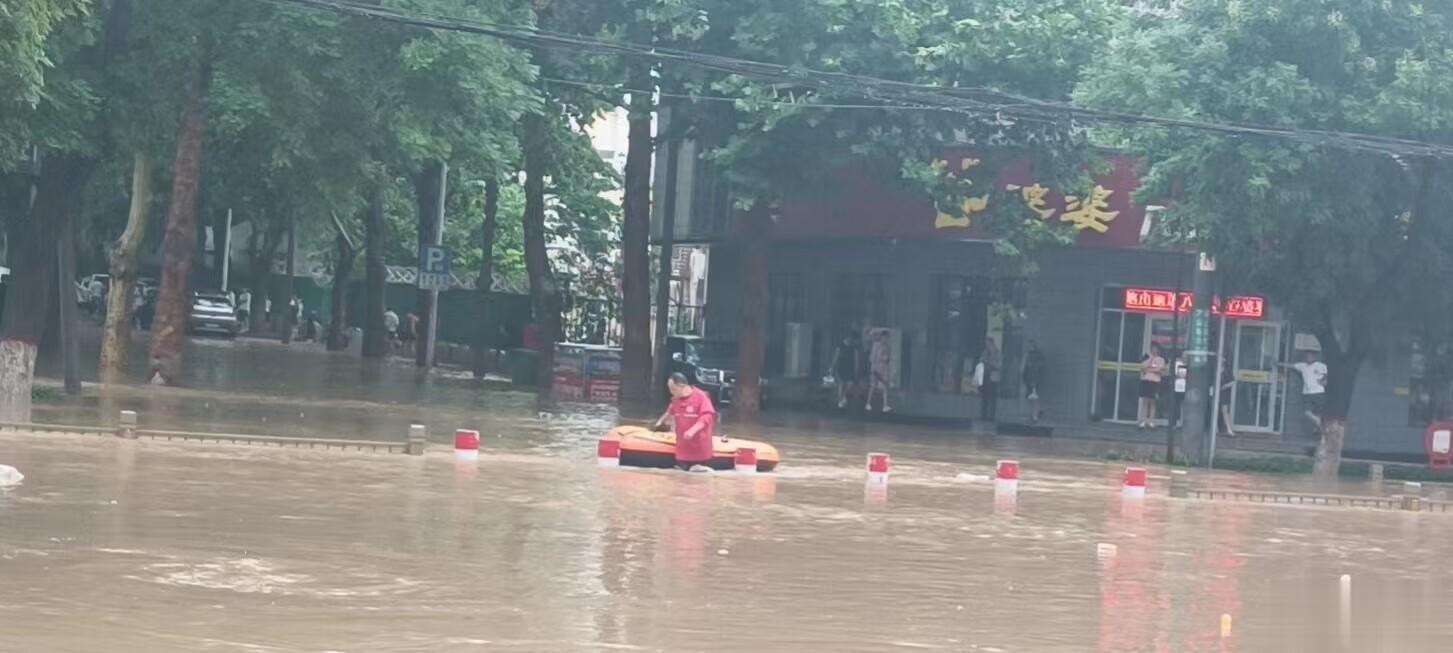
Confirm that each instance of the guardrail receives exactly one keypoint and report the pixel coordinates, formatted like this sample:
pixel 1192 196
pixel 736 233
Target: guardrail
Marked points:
pixel 127 429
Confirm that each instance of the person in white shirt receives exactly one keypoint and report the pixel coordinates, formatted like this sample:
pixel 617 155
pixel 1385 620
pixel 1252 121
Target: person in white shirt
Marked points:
pixel 391 324
pixel 1314 386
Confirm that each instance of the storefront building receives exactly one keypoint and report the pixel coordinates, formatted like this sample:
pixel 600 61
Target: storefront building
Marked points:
pixel 870 258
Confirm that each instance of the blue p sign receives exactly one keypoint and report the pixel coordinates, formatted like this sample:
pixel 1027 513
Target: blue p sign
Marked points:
pixel 433 268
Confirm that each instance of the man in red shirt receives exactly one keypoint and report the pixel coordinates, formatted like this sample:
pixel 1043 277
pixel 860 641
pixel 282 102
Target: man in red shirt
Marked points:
pixel 695 419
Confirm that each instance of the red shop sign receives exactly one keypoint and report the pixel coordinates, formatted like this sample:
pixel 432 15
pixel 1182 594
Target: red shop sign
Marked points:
pixel 1165 301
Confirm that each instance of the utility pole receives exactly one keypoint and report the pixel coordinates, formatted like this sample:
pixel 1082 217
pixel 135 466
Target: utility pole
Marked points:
pixel 424 355
pixel 226 250
pixel 1193 436
pixel 662 360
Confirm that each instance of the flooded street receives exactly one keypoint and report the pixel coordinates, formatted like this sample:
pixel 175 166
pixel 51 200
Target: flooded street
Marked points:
pixel 136 546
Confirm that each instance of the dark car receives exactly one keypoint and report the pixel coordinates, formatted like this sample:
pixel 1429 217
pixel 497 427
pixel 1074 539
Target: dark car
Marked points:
pixel 710 365
pixel 213 312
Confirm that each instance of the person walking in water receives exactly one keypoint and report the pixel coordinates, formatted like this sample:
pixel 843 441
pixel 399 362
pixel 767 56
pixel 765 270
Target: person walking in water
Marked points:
pixel 694 418
pixel 880 370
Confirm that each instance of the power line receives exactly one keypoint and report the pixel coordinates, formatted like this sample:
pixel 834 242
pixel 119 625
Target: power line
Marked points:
pixel 981 102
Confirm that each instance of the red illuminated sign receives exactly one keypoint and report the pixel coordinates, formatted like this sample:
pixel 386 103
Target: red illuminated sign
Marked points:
pixel 1166 301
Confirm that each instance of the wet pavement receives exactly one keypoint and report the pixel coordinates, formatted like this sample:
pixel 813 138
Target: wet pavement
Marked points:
pixel 158 546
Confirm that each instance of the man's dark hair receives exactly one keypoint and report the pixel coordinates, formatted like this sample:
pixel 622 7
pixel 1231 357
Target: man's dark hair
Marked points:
pixel 679 379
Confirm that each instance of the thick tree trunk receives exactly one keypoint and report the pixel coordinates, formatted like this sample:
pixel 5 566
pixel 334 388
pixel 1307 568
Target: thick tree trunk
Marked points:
pixel 544 290
pixel 33 229
pixel 169 332
pixel 488 321
pixel 1343 364
pixel 375 340
pixel 429 200
pixel 125 266
pixel 635 246
pixel 290 312
pixel 752 332
pixel 342 280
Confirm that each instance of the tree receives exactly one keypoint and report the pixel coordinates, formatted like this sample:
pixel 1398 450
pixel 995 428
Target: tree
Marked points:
pixel 125 259
pixel 51 144
pixel 782 140
pixel 1325 231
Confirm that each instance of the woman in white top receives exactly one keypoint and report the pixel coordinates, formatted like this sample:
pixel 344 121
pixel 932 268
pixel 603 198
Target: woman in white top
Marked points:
pixel 1151 369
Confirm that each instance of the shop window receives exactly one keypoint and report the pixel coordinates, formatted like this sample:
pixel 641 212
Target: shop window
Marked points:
pixel 959 324
pixel 858 302
pixel 784 304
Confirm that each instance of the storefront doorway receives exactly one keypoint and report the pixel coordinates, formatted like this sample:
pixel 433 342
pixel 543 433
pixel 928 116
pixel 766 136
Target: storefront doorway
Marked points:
pixel 1131 320
pixel 1258 399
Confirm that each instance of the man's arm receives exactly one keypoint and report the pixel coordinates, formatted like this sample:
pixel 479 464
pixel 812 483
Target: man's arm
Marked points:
pixel 698 426
pixel 661 421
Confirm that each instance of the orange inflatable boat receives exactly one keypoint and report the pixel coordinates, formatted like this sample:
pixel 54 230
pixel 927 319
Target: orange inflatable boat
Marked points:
pixel 641 447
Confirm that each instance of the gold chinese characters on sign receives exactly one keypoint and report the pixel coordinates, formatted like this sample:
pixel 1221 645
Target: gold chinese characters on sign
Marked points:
pixel 1092 213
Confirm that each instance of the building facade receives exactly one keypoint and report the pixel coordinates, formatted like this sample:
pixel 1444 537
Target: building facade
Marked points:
pixel 866 257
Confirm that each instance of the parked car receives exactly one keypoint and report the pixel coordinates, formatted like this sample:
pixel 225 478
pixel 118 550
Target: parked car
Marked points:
pixel 213 312
pixel 710 365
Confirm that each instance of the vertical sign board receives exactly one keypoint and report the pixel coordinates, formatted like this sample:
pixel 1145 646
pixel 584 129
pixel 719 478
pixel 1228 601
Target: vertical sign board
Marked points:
pixel 434 268
pixel 1200 336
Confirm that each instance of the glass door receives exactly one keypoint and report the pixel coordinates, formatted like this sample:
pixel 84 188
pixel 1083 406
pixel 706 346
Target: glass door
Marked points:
pixel 1258 395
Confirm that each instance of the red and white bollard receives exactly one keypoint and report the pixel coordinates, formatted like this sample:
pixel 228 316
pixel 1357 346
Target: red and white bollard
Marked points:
pixel 608 453
pixel 1135 480
pixel 878 464
pixel 466 445
pixel 1006 477
pixel 746 461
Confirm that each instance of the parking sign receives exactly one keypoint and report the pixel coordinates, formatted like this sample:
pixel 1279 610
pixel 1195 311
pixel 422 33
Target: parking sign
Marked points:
pixel 433 268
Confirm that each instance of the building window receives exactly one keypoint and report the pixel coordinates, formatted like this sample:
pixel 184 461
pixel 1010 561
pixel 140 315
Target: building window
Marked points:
pixel 958 327
pixel 784 304
pixel 858 303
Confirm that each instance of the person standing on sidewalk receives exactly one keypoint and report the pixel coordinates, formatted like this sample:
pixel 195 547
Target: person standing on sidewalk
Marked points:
pixel 1182 374
pixel 1314 387
pixel 992 360
pixel 845 368
pixel 1152 367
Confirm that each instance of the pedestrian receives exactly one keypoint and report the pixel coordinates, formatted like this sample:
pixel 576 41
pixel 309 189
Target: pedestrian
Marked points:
pixel 1227 390
pixel 315 327
pixel 992 360
pixel 297 305
pixel 411 327
pixel 267 309
pixel 694 418
pixel 1182 373
pixel 391 325
pixel 244 306
pixel 1314 387
pixel 1032 375
pixel 845 368
pixel 880 369
pixel 1152 367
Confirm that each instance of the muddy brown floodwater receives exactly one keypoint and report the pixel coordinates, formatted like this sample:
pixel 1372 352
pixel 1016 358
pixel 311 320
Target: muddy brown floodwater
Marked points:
pixel 154 546
pixel 127 546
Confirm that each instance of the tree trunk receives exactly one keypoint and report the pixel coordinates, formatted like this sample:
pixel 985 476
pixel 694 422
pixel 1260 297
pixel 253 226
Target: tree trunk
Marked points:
pixel 33 229
pixel 752 332
pixel 342 280
pixel 125 266
pixel 635 246
pixel 375 340
pixel 488 322
pixel 429 196
pixel 544 290
pixel 169 332
pixel 290 314
pixel 1343 364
